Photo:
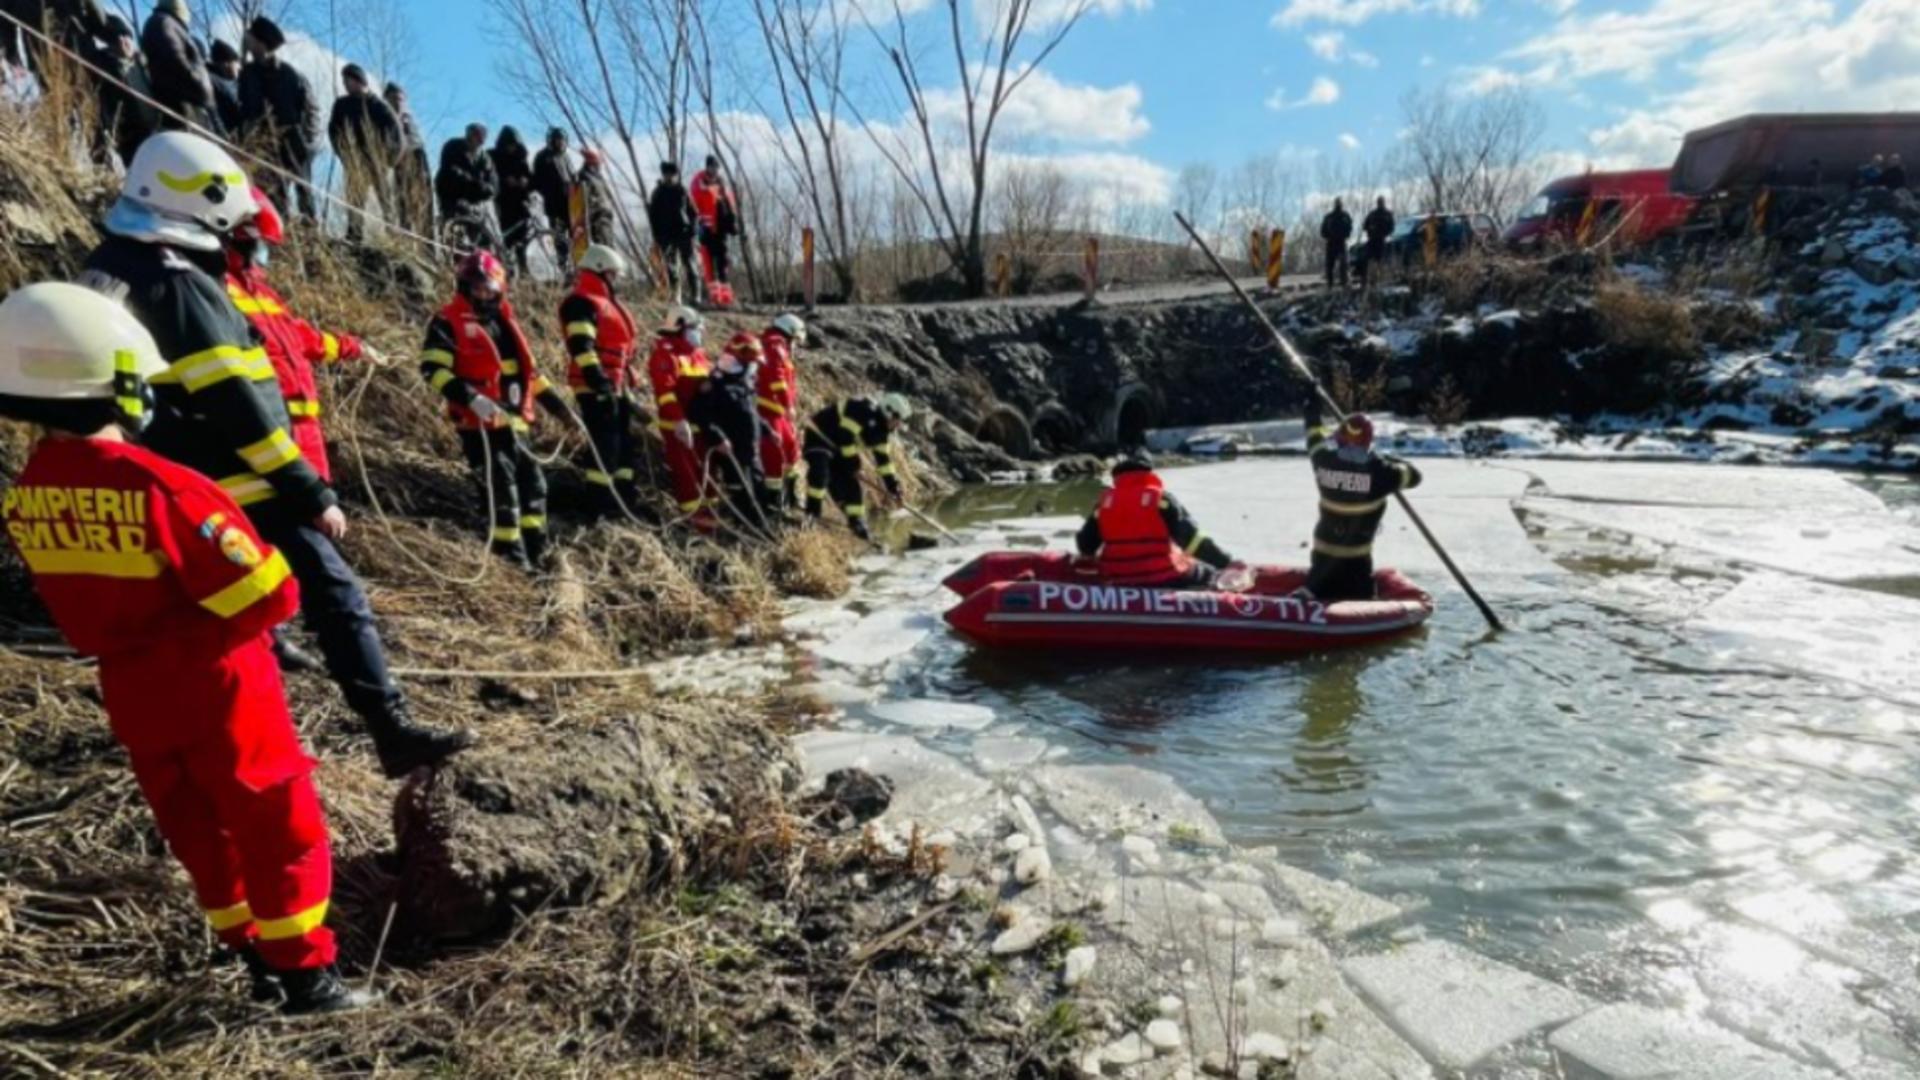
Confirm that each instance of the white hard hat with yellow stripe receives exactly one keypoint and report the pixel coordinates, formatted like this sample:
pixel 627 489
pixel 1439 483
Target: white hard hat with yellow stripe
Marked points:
pixel 182 190
pixel 66 343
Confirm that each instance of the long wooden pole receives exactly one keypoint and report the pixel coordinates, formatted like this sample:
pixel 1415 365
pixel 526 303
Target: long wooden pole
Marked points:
pixel 1299 363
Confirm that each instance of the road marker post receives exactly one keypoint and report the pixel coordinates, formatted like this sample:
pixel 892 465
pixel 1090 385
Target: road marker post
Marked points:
pixel 1093 268
pixel 809 283
pixel 1276 258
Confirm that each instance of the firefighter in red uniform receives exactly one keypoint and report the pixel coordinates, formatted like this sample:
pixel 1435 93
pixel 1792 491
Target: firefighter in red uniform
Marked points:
pixel 293 344
pixel 478 358
pixel 601 341
pixel 1143 536
pixel 717 220
pixel 679 369
pixel 779 400
pixel 155 570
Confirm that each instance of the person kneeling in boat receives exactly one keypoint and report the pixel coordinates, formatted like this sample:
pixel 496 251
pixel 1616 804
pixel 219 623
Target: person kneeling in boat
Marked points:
pixel 1355 483
pixel 1143 536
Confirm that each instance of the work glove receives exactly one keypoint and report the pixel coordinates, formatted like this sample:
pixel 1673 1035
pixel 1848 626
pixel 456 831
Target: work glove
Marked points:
pixel 1236 578
pixel 486 409
pixel 683 432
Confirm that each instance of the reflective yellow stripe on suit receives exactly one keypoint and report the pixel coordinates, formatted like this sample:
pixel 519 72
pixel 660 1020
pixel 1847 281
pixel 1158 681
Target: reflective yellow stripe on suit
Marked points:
pixel 1352 509
pixel 295 925
pixel 125 565
pixel 250 590
pixel 1342 551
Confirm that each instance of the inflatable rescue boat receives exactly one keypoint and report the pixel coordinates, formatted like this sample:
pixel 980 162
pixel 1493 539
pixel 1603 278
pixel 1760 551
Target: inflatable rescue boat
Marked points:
pixel 1054 600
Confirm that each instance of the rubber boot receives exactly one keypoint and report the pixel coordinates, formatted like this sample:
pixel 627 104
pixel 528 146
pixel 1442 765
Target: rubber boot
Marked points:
pixel 317 991
pixel 263 981
pixel 403 744
pixel 293 659
pixel 535 541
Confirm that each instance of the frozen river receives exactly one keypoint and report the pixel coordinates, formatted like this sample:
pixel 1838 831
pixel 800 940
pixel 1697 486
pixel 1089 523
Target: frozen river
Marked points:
pixel 1688 778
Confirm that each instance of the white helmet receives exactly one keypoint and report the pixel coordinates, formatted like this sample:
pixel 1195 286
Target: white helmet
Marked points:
pixel 682 319
pixel 61 342
pixel 896 406
pixel 605 261
pixel 793 326
pixel 182 190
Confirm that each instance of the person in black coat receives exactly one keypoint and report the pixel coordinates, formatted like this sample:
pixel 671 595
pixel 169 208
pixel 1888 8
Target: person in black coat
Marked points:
pixel 466 185
pixel 278 114
pixel 413 173
pixel 1335 230
pixel 1377 228
pixel 513 168
pixel 223 67
pixel 553 182
pixel 366 138
pixel 125 121
pixel 670 215
pixel 177 68
pixel 1893 176
pixel 74 24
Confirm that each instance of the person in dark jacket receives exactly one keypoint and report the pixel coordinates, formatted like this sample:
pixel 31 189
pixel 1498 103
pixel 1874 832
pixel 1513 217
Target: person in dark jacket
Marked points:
pixel 366 139
pixel 834 439
pixel 224 69
pixel 219 411
pixel 465 184
pixel 1894 176
pixel 1355 483
pixel 125 121
pixel 73 24
pixel 553 182
pixel 670 215
pixel 177 68
pixel 513 168
pixel 1376 228
pixel 1335 230
pixel 413 173
pixel 725 411
pixel 278 113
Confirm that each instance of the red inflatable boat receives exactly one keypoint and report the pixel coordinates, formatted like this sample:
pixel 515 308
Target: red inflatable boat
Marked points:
pixel 1051 599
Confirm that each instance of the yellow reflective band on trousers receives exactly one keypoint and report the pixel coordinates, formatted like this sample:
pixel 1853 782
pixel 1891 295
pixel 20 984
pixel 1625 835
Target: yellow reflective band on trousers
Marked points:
pixel 440 379
pixel 250 590
pixel 598 478
pixel 230 918
pixel 534 523
pixel 437 357
pixel 295 925
pixel 583 329
pixel 887 470
pixel 506 534
pixel 1342 551
pixel 858 510
pixel 691 505
pixel 1352 509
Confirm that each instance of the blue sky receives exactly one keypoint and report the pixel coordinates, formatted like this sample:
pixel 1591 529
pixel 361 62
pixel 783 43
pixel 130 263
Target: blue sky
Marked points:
pixel 1153 85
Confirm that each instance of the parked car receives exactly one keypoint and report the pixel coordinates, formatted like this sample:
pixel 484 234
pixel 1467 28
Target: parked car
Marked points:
pixel 1636 208
pixel 1460 232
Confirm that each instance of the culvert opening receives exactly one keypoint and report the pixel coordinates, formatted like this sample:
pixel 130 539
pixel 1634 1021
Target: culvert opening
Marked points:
pixel 1054 430
pixel 1136 419
pixel 1005 428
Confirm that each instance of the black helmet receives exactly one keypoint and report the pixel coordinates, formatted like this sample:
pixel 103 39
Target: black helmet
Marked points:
pixel 1135 461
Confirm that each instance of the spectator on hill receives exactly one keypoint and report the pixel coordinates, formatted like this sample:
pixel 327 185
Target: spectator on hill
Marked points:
pixel 671 218
pixel 177 68
pixel 719 219
pixel 1869 172
pixel 278 113
pixel 366 138
pixel 413 173
pixel 466 185
pixel 1894 176
pixel 553 182
pixel 223 68
pixel 1335 230
pixel 1377 228
pixel 72 24
pixel 513 167
pixel 592 179
pixel 125 121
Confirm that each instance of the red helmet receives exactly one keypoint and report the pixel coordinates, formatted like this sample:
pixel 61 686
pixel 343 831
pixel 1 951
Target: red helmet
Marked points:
pixel 1357 431
pixel 482 269
pixel 746 347
pixel 589 156
pixel 265 224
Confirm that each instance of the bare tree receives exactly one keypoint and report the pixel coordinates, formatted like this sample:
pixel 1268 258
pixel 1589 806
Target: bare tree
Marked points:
pixel 1031 206
pixel 1017 36
pixel 1472 153
pixel 807 44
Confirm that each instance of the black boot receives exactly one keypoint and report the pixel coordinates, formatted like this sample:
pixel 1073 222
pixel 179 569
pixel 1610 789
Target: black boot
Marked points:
pixel 314 991
pixel 404 744
pixel 264 982
pixel 293 659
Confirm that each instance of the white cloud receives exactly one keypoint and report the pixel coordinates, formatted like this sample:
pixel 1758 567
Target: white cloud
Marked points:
pixel 1355 12
pixel 1781 56
pixel 1323 92
pixel 1046 108
pixel 1044 14
pixel 1349 141
pixel 1111 180
pixel 1331 46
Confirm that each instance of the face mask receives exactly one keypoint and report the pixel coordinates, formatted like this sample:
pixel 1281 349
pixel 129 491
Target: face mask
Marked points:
pixel 262 254
pixel 696 337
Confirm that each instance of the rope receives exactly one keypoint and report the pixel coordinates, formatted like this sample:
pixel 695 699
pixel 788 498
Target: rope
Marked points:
pixel 221 140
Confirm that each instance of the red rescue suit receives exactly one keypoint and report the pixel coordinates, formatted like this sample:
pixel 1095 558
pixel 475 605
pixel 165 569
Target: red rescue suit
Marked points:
pixel 1136 547
pixel 294 345
pixel 478 363
pixel 615 336
pixel 155 570
pixel 778 396
pixel 678 368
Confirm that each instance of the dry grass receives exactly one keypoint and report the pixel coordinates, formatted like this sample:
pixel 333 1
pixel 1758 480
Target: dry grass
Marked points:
pixel 1632 316
pixel 1448 405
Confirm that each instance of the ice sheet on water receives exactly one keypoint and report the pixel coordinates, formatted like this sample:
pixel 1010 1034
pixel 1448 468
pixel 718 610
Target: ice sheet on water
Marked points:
pixel 1457 1006
pixel 1106 800
pixel 935 715
pixel 1633 1042
pixel 878 638
pixel 1699 485
pixel 817 618
pixel 1868 638
pixel 931 788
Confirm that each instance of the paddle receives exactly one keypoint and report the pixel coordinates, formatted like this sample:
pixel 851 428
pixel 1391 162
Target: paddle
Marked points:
pixel 1299 363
